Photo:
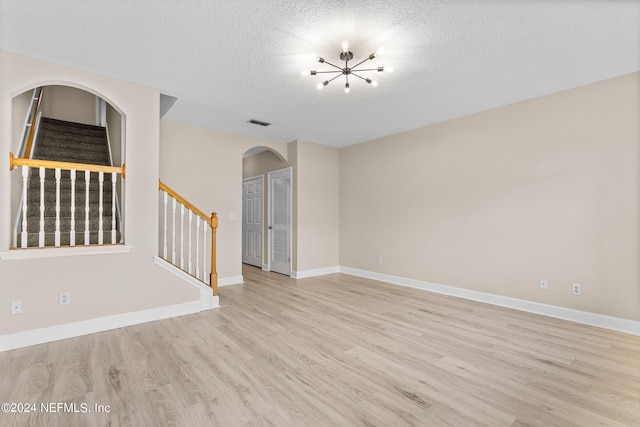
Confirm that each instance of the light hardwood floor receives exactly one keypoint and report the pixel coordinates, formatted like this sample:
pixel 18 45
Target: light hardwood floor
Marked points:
pixel 333 351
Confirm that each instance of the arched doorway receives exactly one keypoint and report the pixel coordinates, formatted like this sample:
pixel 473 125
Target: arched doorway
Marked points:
pixel 266 211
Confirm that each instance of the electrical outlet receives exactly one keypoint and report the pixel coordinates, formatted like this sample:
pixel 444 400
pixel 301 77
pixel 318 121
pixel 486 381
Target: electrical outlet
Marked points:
pixel 379 260
pixel 544 284
pixel 64 298
pixel 16 307
pixel 576 289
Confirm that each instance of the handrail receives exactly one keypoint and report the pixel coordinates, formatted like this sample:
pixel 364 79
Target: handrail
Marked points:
pixel 183 201
pixel 32 130
pixel 213 223
pixel 49 164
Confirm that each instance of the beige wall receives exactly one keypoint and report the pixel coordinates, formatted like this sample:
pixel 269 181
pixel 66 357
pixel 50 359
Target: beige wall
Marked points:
pixel 547 188
pixel 20 107
pixel 261 164
pixel 316 184
pixel 69 103
pixel 100 285
pixel 116 128
pixel 205 167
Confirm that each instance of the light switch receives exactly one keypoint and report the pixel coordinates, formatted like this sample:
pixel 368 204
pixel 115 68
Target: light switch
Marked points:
pixel 231 216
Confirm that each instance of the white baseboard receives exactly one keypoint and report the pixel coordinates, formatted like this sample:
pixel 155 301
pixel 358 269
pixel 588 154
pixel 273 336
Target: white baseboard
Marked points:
pixel 265 267
pixel 314 272
pixel 231 280
pixel 207 300
pixel 84 327
pixel 584 317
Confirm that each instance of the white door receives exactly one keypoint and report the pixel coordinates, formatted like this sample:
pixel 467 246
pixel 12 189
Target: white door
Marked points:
pixel 280 221
pixel 252 203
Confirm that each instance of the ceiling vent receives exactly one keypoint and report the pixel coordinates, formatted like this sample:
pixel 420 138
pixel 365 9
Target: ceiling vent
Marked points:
pixel 258 122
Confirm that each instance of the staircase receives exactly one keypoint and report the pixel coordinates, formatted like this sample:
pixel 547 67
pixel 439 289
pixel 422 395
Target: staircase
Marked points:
pixel 64 141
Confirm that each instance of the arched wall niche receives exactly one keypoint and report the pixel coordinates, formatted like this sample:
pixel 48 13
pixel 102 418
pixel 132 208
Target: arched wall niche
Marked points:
pixel 69 101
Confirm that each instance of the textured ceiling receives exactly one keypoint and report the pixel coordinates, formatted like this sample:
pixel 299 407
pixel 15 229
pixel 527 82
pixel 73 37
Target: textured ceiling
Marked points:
pixel 228 61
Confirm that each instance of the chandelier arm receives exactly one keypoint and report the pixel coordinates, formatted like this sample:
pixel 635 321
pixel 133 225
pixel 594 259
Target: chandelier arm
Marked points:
pixel 365 69
pixel 333 65
pixel 360 77
pixel 330 80
pixel 361 62
pixel 325 72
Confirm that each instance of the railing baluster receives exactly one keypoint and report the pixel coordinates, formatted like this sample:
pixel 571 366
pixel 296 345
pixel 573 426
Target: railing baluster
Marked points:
pixel 41 233
pixel 204 252
pixel 181 236
pixel 25 184
pixel 87 182
pixel 189 268
pixel 173 239
pixel 100 207
pixel 53 221
pixel 198 219
pixel 57 232
pixel 72 231
pixel 164 249
pixel 114 178
pixel 213 276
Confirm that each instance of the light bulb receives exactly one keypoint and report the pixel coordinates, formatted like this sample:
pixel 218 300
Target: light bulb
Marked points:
pixel 374 83
pixel 320 86
pixel 347 89
pixel 388 69
pixel 345 45
pixel 305 73
pixel 379 52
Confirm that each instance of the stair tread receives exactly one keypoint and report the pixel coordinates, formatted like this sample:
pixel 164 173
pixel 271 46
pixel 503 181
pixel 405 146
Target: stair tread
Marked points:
pixel 65 123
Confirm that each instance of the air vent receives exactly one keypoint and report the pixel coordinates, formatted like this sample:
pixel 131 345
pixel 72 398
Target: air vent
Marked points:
pixel 258 122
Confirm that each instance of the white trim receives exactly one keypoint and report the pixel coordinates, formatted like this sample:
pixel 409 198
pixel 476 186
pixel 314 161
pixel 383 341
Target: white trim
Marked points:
pixel 289 169
pixel 207 300
pixel 584 317
pixel 264 226
pixel 249 178
pixel 231 280
pixel 84 327
pixel 265 267
pixel 315 272
pixel 64 251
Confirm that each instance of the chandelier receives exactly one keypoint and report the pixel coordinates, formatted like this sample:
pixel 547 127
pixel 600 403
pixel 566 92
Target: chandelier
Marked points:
pixel 346 55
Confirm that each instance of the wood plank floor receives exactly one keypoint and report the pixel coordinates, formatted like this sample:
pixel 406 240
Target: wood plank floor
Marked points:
pixel 333 351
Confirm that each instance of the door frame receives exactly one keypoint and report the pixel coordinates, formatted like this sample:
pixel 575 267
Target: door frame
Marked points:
pixel 268 223
pixel 264 227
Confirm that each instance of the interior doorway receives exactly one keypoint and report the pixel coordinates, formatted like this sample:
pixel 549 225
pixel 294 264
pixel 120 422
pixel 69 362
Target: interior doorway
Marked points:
pixel 252 220
pixel 279 201
pixel 267 214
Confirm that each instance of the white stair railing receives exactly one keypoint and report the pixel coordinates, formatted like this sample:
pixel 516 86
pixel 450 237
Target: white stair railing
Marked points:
pixel 183 242
pixel 29 166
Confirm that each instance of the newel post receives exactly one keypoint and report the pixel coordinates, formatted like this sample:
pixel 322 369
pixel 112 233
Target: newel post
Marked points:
pixel 213 279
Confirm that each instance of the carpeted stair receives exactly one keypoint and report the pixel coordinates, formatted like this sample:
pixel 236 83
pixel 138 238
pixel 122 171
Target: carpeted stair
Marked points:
pixel 64 141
